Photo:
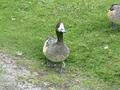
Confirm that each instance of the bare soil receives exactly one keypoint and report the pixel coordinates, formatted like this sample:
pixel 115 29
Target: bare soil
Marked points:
pixel 10 74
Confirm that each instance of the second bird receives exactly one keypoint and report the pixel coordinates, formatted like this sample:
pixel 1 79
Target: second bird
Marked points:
pixel 114 15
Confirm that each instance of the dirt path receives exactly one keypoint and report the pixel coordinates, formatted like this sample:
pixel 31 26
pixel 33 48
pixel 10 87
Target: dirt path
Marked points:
pixel 10 72
pixel 13 77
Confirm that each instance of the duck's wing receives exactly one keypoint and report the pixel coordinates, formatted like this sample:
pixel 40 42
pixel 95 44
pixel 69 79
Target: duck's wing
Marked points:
pixel 47 45
pixel 50 41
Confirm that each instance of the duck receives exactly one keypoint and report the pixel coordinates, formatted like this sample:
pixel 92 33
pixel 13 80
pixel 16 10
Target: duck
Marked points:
pixel 114 15
pixel 55 50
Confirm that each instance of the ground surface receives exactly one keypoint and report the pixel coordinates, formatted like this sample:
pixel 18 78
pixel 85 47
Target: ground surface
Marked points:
pixel 16 76
pixel 10 74
pixel 95 49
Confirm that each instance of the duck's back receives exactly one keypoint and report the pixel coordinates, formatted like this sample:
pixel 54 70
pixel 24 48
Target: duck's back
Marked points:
pixel 55 52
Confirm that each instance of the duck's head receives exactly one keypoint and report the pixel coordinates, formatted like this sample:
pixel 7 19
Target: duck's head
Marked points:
pixel 114 7
pixel 60 27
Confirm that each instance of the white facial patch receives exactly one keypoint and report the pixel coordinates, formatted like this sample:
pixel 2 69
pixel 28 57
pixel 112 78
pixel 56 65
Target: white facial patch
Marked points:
pixel 61 28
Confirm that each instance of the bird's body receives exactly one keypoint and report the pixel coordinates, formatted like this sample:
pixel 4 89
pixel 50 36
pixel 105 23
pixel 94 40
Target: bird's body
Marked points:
pixel 114 15
pixel 55 50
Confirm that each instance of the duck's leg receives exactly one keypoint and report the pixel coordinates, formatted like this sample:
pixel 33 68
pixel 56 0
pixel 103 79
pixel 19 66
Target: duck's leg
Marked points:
pixel 62 67
pixel 50 64
pixel 45 61
pixel 114 26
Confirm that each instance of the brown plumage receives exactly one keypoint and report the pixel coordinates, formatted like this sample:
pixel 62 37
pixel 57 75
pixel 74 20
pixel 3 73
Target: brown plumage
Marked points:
pixel 114 14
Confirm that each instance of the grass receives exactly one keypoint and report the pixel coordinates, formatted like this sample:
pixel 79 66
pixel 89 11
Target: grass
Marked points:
pixel 25 25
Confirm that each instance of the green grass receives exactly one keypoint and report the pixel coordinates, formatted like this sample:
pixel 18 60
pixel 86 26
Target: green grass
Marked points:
pixel 25 25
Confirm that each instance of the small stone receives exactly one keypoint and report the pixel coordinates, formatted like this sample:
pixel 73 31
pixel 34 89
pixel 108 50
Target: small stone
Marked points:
pixel 35 73
pixel 46 83
pixel 19 53
pixel 13 19
pixel 52 88
pixel 106 47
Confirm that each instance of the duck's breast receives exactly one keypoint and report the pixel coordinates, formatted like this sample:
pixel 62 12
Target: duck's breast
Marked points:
pixel 114 16
pixel 56 53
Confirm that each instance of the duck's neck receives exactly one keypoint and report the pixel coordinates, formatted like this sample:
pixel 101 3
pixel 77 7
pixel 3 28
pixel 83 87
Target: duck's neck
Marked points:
pixel 59 37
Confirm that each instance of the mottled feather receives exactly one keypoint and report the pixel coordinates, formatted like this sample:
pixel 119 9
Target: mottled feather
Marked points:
pixel 114 14
pixel 55 52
